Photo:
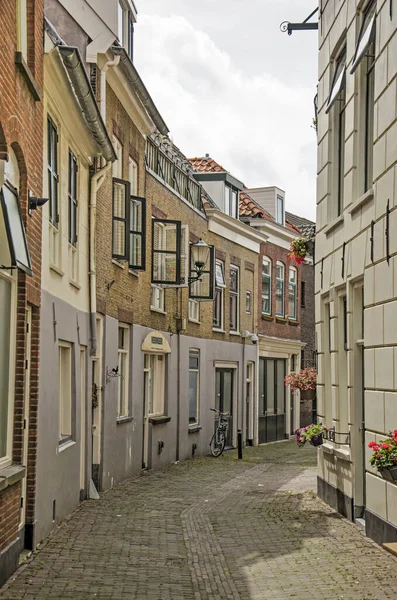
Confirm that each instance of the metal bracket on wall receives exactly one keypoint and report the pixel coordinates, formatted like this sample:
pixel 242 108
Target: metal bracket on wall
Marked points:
pixel 112 374
pixel 343 259
pixel 288 27
pixel 371 239
pixel 330 435
pixel 387 228
pixel 391 9
pixel 321 273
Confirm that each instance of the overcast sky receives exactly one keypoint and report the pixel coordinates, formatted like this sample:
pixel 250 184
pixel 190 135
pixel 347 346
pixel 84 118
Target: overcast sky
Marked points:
pixel 228 83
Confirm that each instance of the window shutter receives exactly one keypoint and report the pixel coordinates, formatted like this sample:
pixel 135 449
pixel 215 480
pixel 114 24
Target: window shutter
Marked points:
pixel 137 233
pixel 204 289
pixel 166 252
pixel 121 195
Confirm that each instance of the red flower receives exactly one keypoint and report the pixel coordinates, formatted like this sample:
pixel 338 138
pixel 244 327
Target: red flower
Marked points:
pixel 374 446
pixel 385 446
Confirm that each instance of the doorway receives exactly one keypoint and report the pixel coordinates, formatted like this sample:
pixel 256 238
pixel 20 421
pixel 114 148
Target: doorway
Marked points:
pixel 83 409
pixel 272 399
pixel 96 407
pixel 153 398
pixel 249 407
pixel 26 407
pixel 224 397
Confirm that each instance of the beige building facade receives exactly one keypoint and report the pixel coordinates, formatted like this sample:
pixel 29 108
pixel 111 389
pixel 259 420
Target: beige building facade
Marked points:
pixel 355 270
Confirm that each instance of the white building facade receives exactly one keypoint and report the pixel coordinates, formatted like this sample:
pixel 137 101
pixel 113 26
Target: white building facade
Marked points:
pixel 356 255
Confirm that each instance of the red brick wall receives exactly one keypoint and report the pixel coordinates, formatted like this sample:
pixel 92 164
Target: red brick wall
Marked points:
pixel 21 127
pixel 9 514
pixel 272 325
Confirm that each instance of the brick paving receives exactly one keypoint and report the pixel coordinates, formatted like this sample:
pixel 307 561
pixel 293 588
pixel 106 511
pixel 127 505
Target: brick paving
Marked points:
pixel 210 529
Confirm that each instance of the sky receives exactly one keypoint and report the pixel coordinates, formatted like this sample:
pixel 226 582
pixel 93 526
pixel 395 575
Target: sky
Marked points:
pixel 230 84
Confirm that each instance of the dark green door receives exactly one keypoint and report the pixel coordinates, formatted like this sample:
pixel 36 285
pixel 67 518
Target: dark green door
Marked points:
pixel 271 399
pixel 224 380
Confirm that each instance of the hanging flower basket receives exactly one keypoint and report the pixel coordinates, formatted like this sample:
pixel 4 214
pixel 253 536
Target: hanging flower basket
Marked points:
pixel 384 457
pixel 304 380
pixel 298 250
pixel 311 433
pixel 317 440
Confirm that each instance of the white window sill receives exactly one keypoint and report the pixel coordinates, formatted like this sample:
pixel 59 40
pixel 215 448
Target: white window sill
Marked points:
pixel 56 269
pixel 335 223
pixel 133 273
pixel 367 197
pixel 343 453
pixel 194 428
pixel 124 419
pixel 118 264
pixel 218 330
pixel 232 332
pixel 328 448
pixel 75 284
pixel 65 445
pixel 158 310
pixel 194 321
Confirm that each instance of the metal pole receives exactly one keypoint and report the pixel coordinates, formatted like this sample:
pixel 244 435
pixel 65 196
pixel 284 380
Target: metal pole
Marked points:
pixel 239 444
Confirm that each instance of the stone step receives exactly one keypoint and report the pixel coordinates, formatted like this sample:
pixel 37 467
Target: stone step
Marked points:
pixel 391 547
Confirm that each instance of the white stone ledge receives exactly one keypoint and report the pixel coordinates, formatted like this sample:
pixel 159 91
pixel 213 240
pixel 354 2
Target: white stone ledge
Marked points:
pixel 367 197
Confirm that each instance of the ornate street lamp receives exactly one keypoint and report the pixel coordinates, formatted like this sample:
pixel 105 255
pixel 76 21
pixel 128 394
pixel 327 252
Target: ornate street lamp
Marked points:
pixel 200 252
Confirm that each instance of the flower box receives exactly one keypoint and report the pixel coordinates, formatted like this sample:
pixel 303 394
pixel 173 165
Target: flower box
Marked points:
pixel 389 474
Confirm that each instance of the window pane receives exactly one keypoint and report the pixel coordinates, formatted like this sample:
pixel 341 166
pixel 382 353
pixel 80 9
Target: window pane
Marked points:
pixel 292 301
pixel 5 314
pixel 227 200
pixel 233 312
pixel 270 400
pixel 220 280
pixel 16 228
pixel 266 294
pixel 193 390
pixel 266 266
pixel 280 369
pixel 135 249
pixel 233 203
pixel 279 298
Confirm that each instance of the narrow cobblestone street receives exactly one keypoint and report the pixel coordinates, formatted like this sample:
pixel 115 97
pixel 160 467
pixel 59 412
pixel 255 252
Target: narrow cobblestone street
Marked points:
pixel 210 529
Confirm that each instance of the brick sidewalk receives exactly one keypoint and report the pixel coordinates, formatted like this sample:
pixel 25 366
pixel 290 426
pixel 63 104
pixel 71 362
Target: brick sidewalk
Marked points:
pixel 211 529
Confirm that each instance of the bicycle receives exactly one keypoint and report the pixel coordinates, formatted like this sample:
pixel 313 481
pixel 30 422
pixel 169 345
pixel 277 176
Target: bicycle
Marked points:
pixel 218 440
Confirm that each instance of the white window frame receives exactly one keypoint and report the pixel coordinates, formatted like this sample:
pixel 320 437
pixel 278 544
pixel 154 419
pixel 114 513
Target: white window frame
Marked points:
pixel 234 294
pixel 248 302
pixel 117 166
pixel 154 374
pixel 22 29
pixel 280 211
pixel 123 354
pixel 194 310
pixel 293 287
pixel 195 354
pixel 268 278
pixel 219 294
pixel 280 282
pixel 65 392
pixel 6 460
pixel 133 176
pixel 157 298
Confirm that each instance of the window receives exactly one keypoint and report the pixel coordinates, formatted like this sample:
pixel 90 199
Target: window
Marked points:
pixel 123 372
pixel 292 303
pixel 52 169
pixel 121 231
pixel 302 359
pixel 117 166
pixel 303 294
pixel 157 298
pixel 154 383
pixel 22 29
pixel 17 253
pixel 280 210
pixel 137 238
pixel 72 197
pixel 133 176
pixel 194 386
pixel 7 367
pixel 166 252
pixel 231 203
pixel 369 115
pixel 203 289
pixel 279 289
pixel 217 315
pixel 366 35
pixel 266 286
pixel 65 391
pixel 337 96
pixel 344 305
pixel 234 298
pixel 248 302
pixel 130 38
pixel 194 310
pixel 125 28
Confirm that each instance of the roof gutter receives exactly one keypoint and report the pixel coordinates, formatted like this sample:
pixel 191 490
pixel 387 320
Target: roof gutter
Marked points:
pixel 78 76
pixel 133 77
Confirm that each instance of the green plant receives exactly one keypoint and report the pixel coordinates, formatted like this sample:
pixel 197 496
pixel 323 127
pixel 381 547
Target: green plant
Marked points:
pixel 384 452
pixel 310 432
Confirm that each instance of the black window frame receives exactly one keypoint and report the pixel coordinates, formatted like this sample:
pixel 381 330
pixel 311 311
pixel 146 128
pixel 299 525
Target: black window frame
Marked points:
pixel 124 256
pixel 303 294
pixel 176 252
pixel 130 49
pixel 136 232
pixel 52 171
pixel 73 169
pixel 210 272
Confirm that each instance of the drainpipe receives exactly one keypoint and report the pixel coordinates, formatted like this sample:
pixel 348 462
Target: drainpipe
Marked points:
pixel 95 183
pixel 109 64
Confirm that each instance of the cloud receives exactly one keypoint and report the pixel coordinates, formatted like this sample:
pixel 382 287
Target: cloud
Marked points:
pixel 254 124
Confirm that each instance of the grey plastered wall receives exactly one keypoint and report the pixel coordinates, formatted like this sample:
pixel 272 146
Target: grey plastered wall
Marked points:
pixel 122 443
pixel 58 472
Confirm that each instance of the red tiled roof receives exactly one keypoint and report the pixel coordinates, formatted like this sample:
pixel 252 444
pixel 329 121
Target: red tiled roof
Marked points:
pixel 291 226
pixel 250 208
pixel 206 165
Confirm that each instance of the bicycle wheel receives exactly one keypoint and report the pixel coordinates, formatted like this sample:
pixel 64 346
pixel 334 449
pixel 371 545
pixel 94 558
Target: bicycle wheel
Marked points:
pixel 217 443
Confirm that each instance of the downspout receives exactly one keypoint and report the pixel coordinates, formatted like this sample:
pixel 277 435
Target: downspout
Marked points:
pixel 102 86
pixel 95 183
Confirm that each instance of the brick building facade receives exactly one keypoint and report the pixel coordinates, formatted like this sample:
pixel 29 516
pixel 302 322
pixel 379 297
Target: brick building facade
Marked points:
pixel 21 139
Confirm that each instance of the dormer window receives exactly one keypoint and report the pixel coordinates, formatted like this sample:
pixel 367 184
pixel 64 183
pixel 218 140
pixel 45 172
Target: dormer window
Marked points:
pixel 126 27
pixel 231 204
pixel 280 210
